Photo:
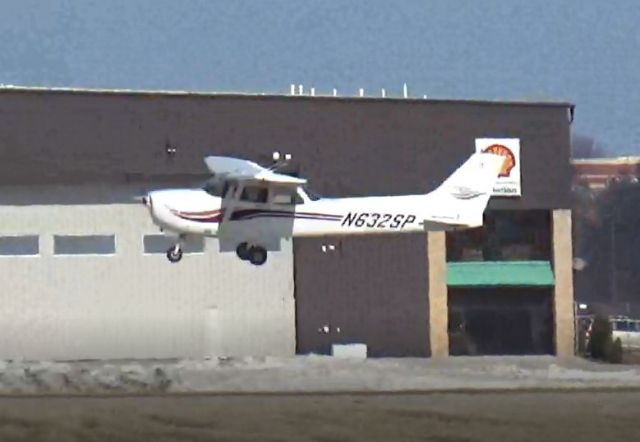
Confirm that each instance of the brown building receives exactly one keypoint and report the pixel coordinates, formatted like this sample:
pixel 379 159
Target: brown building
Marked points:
pixel 75 159
pixel 597 173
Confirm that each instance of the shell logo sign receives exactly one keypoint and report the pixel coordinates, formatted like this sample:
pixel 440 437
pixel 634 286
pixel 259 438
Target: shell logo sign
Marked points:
pixel 508 183
pixel 510 161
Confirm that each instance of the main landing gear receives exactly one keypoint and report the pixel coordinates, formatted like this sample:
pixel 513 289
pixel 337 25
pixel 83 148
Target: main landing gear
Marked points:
pixel 256 255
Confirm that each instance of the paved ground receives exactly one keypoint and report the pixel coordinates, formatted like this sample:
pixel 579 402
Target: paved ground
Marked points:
pixel 452 417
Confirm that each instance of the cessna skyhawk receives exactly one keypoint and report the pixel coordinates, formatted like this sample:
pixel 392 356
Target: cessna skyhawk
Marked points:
pixel 250 208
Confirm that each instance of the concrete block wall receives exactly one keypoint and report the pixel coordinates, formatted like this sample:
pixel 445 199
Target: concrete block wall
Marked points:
pixel 136 305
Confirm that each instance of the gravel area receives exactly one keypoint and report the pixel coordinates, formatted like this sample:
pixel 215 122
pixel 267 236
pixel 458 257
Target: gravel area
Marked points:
pixel 312 374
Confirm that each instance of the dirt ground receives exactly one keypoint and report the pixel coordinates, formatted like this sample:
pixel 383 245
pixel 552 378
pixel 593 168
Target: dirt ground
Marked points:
pixel 410 417
pixel 631 357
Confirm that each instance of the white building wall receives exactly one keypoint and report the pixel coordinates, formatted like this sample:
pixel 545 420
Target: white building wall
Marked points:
pixel 132 305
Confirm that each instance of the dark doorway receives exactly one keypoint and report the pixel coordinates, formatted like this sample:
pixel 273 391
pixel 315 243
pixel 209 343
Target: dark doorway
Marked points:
pixel 500 321
pixel 370 290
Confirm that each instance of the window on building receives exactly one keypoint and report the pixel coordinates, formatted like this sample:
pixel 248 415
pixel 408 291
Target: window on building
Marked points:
pixel 507 235
pixel 84 244
pixel 159 244
pixel 19 245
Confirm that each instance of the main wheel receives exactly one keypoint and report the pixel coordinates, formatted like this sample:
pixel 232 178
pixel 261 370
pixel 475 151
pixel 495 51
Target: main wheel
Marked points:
pixel 257 256
pixel 174 254
pixel 243 251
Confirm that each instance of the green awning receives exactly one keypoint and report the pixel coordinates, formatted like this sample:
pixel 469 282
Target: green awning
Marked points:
pixel 493 273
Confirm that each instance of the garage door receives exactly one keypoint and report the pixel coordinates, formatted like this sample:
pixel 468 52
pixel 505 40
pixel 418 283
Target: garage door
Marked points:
pixel 370 290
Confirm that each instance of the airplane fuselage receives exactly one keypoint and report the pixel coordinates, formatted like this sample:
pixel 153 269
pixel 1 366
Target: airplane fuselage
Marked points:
pixel 195 212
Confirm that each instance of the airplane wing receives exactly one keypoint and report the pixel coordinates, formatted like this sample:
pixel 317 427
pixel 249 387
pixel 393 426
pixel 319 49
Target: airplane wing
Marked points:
pixel 245 170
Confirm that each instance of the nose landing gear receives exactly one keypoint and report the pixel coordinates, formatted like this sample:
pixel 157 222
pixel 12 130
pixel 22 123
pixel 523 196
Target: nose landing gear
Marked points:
pixel 174 254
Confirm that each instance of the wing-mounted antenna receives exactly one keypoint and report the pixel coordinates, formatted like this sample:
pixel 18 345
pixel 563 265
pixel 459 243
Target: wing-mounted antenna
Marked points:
pixel 278 161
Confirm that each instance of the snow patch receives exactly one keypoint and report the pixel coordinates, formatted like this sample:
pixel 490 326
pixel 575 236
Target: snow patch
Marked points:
pixel 310 373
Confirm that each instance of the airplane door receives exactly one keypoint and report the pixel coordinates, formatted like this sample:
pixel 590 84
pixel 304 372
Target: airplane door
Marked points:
pixel 245 216
pixel 282 200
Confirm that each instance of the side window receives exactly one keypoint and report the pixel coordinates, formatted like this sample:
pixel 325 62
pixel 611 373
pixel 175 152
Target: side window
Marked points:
pixel 25 245
pixel 254 194
pixel 84 245
pixel 284 196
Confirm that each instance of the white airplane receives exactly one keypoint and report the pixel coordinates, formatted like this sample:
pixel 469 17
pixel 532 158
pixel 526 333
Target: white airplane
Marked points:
pixel 250 208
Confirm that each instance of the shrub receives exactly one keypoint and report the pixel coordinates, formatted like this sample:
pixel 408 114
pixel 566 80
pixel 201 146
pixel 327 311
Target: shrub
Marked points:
pixel 614 351
pixel 600 338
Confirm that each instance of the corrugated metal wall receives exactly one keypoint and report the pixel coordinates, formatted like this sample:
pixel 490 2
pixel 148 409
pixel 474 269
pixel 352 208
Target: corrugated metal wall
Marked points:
pixel 345 147
pixel 131 304
pixel 371 290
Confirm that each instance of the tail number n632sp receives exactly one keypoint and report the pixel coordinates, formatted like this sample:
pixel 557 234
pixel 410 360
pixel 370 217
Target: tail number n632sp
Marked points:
pixel 377 220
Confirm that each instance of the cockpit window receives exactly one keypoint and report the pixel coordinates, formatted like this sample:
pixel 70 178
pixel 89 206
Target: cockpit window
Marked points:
pixel 216 188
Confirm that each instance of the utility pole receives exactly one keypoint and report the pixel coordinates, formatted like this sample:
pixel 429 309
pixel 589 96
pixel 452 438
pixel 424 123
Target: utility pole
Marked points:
pixel 612 257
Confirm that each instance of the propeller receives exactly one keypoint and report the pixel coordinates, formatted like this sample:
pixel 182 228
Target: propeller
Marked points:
pixel 143 199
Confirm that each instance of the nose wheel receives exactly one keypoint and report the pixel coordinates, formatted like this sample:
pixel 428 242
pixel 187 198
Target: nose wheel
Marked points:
pixel 174 254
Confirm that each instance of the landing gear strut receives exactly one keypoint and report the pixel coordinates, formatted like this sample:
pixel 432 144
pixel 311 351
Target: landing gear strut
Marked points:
pixel 256 255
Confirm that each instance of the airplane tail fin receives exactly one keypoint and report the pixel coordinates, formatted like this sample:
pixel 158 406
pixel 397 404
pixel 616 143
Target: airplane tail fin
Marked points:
pixel 464 195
